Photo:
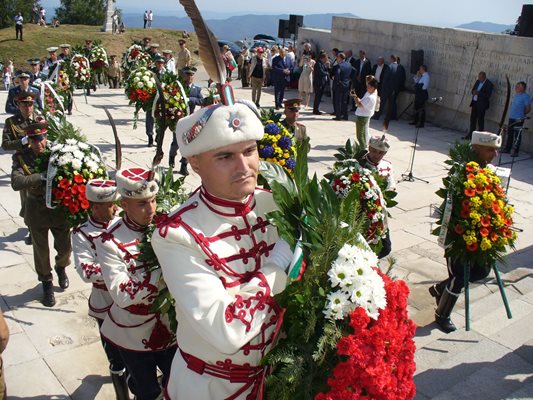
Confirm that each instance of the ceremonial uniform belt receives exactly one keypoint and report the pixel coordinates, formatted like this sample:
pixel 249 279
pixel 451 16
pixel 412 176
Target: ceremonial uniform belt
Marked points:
pixel 100 286
pixel 140 309
pixel 234 373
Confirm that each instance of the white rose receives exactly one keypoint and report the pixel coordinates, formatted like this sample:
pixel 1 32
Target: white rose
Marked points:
pixel 136 79
pixel 150 85
pixel 140 85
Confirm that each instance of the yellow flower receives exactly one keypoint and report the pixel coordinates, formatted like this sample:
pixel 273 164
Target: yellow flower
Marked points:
pixel 475 217
pixel 485 244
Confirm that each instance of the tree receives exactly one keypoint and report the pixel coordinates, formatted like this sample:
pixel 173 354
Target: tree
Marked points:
pixel 10 8
pixel 86 12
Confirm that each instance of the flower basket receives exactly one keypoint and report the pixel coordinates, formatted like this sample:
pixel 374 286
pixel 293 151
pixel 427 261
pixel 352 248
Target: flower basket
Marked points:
pixel 81 71
pixel 278 146
pixel 140 89
pixel 176 102
pixel 71 165
pixel 351 176
pixel 98 59
pixel 476 223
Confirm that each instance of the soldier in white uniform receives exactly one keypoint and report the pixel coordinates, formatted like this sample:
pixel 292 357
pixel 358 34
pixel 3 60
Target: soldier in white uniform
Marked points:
pixel 374 161
pixel 222 261
pixel 143 337
pixel 102 196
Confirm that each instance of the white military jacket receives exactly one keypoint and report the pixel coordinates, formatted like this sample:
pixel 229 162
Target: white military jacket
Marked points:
pixel 215 259
pixel 88 268
pixel 384 169
pixel 130 323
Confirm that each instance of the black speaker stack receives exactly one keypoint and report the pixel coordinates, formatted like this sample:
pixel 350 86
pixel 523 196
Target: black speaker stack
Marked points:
pixel 525 27
pixel 417 59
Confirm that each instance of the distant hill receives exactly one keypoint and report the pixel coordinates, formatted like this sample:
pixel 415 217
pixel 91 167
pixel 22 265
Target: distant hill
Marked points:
pixel 236 27
pixel 486 27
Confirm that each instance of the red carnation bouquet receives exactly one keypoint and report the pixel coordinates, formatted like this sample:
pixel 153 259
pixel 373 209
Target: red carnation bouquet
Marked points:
pixel 72 164
pixel 140 87
pixel 176 106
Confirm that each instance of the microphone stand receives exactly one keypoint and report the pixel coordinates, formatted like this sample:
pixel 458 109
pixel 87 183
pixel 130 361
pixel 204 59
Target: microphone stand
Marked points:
pixel 408 176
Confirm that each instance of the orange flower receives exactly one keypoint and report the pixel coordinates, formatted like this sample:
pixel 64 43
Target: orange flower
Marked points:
pixel 84 204
pixel 470 192
pixel 508 221
pixel 484 232
pixel 470 168
pixel 489 188
pixel 472 247
pixel 74 189
pixel 479 189
pixel 465 213
pixel 78 178
pixel 493 236
pixel 485 222
pixel 496 208
pixel 459 229
pixel 470 177
pixel 507 233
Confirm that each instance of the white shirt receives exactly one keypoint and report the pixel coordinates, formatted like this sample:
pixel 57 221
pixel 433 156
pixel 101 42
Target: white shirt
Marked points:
pixel 379 69
pixel 368 105
pixel 170 65
pixel 19 19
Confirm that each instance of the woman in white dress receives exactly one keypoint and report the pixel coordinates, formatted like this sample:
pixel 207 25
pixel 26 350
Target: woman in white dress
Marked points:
pixel 305 83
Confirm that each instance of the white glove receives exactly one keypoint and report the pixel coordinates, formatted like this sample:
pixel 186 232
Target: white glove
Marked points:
pixel 281 254
pixel 24 140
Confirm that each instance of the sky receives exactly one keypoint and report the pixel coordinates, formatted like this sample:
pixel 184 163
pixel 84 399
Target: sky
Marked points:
pixel 442 13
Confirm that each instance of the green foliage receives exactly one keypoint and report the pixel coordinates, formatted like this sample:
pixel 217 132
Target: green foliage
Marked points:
pixel 270 114
pixel 86 12
pixel 59 130
pixel 10 8
pixel 309 210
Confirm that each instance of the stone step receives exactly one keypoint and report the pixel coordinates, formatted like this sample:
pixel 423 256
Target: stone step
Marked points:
pixel 525 392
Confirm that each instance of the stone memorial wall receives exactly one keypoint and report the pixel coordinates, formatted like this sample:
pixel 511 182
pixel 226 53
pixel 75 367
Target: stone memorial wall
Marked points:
pixel 454 58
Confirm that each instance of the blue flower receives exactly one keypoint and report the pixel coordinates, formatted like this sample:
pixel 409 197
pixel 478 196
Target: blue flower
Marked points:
pixel 285 142
pixel 290 163
pixel 272 129
pixel 266 152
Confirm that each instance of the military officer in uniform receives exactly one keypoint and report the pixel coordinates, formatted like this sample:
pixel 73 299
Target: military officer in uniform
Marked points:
pixel 196 98
pixel 485 146
pixel 51 65
pixel 87 49
pixel 222 260
pixel 142 335
pixel 292 113
pixel 14 134
pixel 39 218
pixel 36 76
pixel 170 63
pixel 374 161
pixel 65 52
pixel 183 57
pixel 102 196
pixel 23 86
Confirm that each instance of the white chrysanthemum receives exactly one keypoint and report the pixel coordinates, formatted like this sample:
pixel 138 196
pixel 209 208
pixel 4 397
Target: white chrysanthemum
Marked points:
pixel 349 252
pixel 76 164
pixel 56 147
pixel 150 85
pixel 93 167
pixel 341 274
pixel 369 257
pixel 337 305
pixel 62 161
pixel 83 146
pixel 71 141
pixel 140 85
pixel 78 154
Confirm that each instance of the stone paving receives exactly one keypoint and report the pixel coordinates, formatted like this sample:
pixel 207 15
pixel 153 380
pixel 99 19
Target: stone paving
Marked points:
pixel 54 353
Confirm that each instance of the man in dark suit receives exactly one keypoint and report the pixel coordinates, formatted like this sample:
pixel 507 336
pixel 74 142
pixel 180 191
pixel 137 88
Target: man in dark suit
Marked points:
pixel 342 76
pixel 392 85
pixel 380 71
pixel 320 80
pixel 278 74
pixel 363 67
pixel 480 103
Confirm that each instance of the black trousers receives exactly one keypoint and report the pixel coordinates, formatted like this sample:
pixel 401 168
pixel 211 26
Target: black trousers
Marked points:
pixel 477 117
pixel 341 101
pixel 319 92
pixel 421 97
pixel 112 353
pixel 513 134
pixel 456 278
pixel 18 31
pixel 174 147
pixel 149 123
pixel 279 91
pixel 142 367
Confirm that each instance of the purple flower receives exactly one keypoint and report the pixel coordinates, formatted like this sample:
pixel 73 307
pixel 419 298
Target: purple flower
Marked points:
pixel 266 152
pixel 272 129
pixel 285 142
pixel 290 163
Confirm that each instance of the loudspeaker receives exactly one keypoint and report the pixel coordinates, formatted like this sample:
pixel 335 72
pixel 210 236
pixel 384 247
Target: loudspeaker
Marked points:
pixel 295 22
pixel 417 59
pixel 283 29
pixel 526 21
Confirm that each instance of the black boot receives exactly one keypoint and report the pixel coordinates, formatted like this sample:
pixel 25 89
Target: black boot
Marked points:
pixel 62 277
pixel 171 162
pixel 442 314
pixel 183 169
pixel 49 299
pixel 150 140
pixel 437 289
pixel 28 240
pixel 120 385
